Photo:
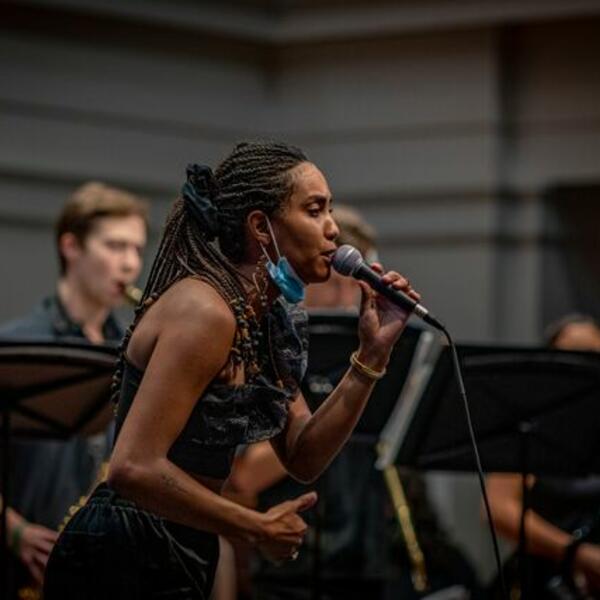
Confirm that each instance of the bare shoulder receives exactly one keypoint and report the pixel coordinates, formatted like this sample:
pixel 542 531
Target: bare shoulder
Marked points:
pixel 185 316
pixel 196 328
pixel 195 304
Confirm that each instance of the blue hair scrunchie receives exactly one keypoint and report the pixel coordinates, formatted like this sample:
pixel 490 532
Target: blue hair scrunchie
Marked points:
pixel 198 193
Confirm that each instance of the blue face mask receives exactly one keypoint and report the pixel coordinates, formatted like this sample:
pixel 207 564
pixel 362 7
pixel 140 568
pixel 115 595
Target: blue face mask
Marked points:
pixel 283 274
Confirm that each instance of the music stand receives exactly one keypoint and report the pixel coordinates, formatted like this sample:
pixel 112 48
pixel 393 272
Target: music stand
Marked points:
pixel 50 390
pixel 525 404
pixel 534 411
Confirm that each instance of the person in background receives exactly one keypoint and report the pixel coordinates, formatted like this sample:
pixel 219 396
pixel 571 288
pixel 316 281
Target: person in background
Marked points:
pixel 341 292
pixel 100 238
pixel 564 512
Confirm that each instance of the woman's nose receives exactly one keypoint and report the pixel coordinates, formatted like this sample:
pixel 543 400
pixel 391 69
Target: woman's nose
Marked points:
pixel 332 230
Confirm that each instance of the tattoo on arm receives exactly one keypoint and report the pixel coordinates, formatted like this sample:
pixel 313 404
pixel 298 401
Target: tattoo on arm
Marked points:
pixel 170 482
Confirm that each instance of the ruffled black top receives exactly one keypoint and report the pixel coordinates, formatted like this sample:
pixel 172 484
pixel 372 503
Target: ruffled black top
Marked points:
pixel 226 415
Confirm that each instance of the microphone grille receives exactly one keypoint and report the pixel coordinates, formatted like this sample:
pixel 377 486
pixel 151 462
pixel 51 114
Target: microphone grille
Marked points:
pixel 346 259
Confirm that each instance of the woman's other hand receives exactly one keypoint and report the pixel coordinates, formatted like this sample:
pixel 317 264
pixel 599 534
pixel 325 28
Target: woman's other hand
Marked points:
pixel 284 529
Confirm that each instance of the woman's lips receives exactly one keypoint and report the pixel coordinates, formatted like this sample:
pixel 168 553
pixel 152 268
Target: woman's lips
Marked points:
pixel 328 255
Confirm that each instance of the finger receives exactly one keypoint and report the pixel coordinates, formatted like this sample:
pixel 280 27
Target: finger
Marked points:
pixel 286 540
pixel 40 559
pixel 377 267
pixel 305 502
pixel 44 546
pixel 296 505
pixel 50 535
pixel 366 296
pixel 395 280
pixel 299 532
pixel 400 282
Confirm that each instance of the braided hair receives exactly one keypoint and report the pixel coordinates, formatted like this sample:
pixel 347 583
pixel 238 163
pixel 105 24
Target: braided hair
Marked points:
pixel 256 175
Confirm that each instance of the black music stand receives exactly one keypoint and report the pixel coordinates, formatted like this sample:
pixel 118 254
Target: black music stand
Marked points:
pixel 333 337
pixel 525 403
pixel 49 390
pixel 534 411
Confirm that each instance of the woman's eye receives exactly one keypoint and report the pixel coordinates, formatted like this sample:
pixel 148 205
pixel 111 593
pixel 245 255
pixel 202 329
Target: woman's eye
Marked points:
pixel 314 211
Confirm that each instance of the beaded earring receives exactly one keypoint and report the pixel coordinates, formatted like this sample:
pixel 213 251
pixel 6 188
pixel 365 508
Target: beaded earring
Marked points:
pixel 247 337
pixel 260 279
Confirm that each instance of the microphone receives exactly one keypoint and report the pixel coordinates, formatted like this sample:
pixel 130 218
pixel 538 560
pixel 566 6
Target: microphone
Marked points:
pixel 348 261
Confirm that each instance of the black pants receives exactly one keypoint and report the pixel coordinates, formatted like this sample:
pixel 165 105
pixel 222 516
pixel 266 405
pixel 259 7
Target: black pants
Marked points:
pixel 112 549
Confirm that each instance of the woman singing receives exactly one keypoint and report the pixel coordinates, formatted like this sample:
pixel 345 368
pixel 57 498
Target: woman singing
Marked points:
pixel 214 359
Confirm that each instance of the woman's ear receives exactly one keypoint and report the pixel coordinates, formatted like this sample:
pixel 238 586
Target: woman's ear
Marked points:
pixel 258 228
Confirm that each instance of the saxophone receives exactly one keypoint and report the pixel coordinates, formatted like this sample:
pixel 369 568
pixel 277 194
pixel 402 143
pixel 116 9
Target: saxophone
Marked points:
pixel 418 570
pixel 132 295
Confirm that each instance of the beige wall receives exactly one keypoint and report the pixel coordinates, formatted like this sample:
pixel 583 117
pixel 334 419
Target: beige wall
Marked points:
pixel 420 128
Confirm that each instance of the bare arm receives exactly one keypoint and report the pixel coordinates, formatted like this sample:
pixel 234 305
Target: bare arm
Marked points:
pixel 187 355
pixel 310 442
pixel 261 466
pixel 505 496
pixel 543 538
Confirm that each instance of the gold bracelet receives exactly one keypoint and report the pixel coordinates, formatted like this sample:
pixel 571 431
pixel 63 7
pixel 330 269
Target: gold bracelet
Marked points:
pixel 365 369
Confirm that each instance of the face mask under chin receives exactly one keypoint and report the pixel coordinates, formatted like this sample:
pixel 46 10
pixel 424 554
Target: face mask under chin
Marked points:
pixel 283 274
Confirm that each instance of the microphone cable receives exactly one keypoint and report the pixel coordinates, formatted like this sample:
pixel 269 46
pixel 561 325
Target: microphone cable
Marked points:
pixel 463 394
pixel 348 261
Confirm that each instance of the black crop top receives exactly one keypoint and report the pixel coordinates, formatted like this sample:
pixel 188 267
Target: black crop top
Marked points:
pixel 226 416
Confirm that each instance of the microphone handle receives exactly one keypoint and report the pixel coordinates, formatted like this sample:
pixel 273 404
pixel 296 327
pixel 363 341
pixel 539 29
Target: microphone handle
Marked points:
pixel 365 273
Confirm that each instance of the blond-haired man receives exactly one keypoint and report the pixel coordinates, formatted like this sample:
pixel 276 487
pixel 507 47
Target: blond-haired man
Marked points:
pixel 100 237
